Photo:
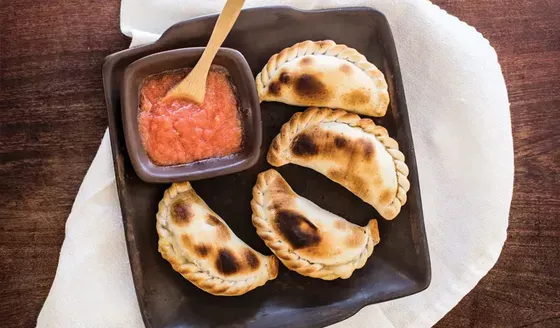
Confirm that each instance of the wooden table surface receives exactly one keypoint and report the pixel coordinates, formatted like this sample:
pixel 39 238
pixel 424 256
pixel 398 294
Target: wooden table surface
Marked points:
pixel 53 117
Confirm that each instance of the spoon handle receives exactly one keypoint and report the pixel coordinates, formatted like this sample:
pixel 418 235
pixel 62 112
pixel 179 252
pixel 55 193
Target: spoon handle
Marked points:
pixel 193 86
pixel 224 24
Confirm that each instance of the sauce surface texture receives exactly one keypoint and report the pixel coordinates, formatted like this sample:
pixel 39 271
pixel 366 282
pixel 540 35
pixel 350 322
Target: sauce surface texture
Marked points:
pixel 179 131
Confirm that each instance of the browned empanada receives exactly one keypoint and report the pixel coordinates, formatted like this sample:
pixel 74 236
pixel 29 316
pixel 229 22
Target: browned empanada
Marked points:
pixel 354 152
pixel 305 237
pixel 324 74
pixel 200 246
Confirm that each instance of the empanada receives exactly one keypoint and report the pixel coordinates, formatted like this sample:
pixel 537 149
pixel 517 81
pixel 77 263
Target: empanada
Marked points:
pixel 200 246
pixel 349 150
pixel 305 237
pixel 324 74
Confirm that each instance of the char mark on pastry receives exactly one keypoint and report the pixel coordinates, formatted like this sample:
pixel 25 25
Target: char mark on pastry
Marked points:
pixel 226 262
pixel 310 87
pixel 368 148
pixel 252 259
pixel 345 68
pixel 306 61
pixel 285 78
pixel 340 142
pixel 297 229
pixel 275 88
pixel 303 145
pixel 202 250
pixel 221 228
pixel 356 98
pixel 181 213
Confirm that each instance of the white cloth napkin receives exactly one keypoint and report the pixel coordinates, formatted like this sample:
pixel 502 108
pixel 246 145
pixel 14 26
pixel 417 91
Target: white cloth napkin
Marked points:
pixel 459 113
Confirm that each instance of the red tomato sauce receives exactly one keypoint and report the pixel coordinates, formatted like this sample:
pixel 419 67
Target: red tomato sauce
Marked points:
pixel 180 131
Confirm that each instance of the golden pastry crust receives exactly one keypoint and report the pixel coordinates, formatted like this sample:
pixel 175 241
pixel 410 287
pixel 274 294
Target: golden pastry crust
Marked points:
pixel 306 238
pixel 351 82
pixel 376 178
pixel 202 248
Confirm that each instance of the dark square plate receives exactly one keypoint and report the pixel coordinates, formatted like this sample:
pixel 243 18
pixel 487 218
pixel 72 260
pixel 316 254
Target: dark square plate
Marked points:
pixel 400 264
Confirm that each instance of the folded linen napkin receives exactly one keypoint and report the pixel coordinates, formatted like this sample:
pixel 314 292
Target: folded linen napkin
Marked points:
pixel 459 113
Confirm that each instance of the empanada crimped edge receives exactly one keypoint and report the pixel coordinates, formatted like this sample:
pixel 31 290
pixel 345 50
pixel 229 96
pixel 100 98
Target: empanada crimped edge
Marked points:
pixel 288 256
pixel 198 276
pixel 315 116
pixel 326 48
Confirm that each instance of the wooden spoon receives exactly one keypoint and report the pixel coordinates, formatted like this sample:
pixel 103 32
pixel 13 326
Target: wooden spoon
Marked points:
pixel 193 86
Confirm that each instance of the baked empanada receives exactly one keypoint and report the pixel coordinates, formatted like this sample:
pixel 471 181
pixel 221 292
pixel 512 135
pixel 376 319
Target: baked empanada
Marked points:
pixel 305 237
pixel 200 246
pixel 324 74
pixel 349 150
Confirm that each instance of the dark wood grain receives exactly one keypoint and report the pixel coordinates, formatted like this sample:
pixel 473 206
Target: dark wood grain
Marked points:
pixel 53 117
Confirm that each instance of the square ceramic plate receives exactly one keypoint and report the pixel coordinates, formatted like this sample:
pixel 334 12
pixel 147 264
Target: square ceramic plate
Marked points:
pixel 399 265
